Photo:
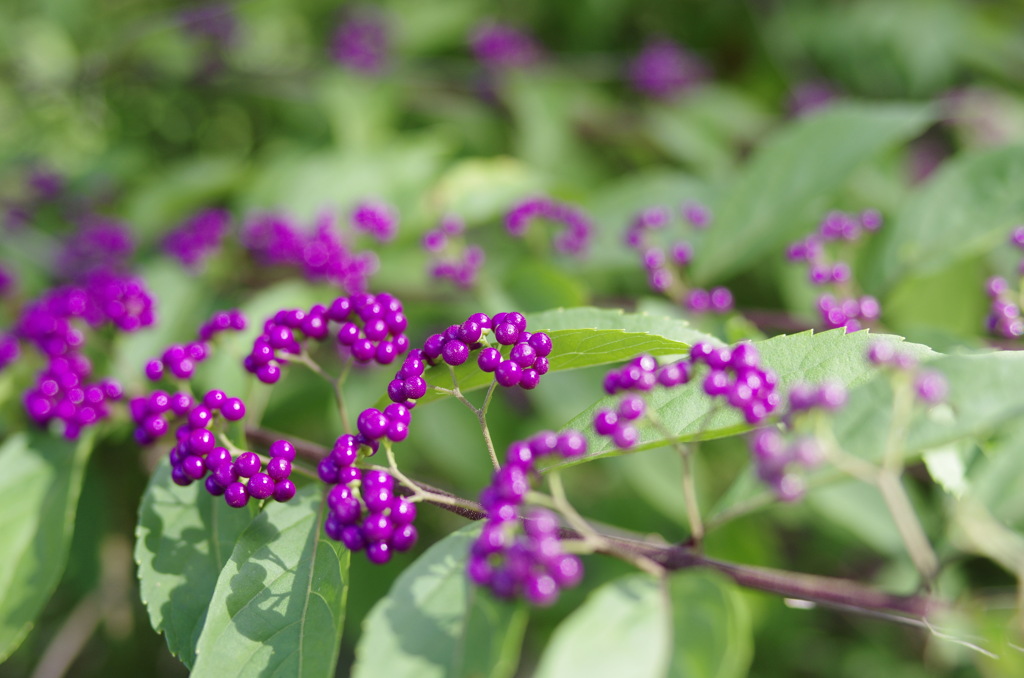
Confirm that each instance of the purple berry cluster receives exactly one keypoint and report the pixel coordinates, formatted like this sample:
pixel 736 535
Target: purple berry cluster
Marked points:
pixel 99 245
pixel 362 44
pixel 666 268
pixel 198 237
pixel 376 219
pixel 775 458
pixel 370 328
pixel 821 252
pixel 197 455
pixel 577 227
pixel 180 360
pixel 776 455
pixel 392 423
pixel 275 239
pixel 527 359
pixel 930 386
pixel 365 511
pixel 521 554
pixel 215 22
pixel 640 375
pixel 1004 316
pixel 409 384
pixel 153 413
pixel 452 259
pixel 663 70
pixel 499 46
pixel 62 393
pixel 736 375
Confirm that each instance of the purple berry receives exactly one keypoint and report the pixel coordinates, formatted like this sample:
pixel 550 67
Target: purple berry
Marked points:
pixel 279 468
pixel 372 423
pixel 233 409
pixel 260 486
pixel 403 538
pixel 284 490
pixel 455 352
pixel 489 359
pixel 236 495
pixel 247 464
pixel 508 373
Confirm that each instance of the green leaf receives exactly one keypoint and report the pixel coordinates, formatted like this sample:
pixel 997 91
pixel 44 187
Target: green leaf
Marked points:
pixel 279 603
pixel 435 623
pixel 696 626
pixel 686 413
pixel 183 539
pixel 42 480
pixel 584 337
pixel 973 202
pixel 711 626
pixel 786 185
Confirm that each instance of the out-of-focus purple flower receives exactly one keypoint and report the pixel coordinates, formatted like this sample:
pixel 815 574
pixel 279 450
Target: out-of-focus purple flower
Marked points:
pixel 377 219
pixel 322 255
pixel 215 22
pixel 664 70
pixel 273 239
pixel 807 97
pixel 9 350
pixel 361 43
pixel 502 46
pixel 7 281
pixel 451 258
pixel 99 244
pixel 573 240
pixel 198 237
pixel 45 184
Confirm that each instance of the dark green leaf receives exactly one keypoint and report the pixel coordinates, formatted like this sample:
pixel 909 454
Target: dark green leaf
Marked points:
pixel 434 623
pixel 279 603
pixel 183 539
pixel 785 186
pixel 711 627
pixel 42 480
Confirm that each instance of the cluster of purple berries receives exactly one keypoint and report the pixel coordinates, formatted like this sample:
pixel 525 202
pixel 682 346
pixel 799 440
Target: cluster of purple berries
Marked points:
pixel 775 454
pixel 521 555
pixel 198 237
pixel 181 359
pixel 774 459
pixel 276 240
pixel 843 309
pixel 362 44
pixel 663 70
pixel 392 423
pixel 930 386
pixel 409 384
pixel 639 375
pixel 62 393
pixel 197 455
pixel 1004 317
pixel 736 375
pixel 376 219
pixel 665 270
pixel 452 258
pixel 527 359
pixel 577 227
pixel 365 511
pixel 501 46
pixel 100 245
pixel 370 328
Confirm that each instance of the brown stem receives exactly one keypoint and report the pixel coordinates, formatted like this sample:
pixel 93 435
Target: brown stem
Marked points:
pixel 830 591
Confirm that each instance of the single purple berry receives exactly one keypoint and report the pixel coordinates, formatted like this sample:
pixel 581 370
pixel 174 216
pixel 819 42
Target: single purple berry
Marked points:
pixel 279 468
pixel 488 359
pixel 200 417
pixel 260 486
pixel 284 490
pixel 236 495
pixel 508 373
pixel 372 423
pixel 455 352
pixel 403 538
pixel 233 409
pixel 247 464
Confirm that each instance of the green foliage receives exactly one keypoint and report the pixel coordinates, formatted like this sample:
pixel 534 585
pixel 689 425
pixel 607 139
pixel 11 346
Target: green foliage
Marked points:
pixel 42 480
pixel 183 540
pixel 434 622
pixel 279 602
